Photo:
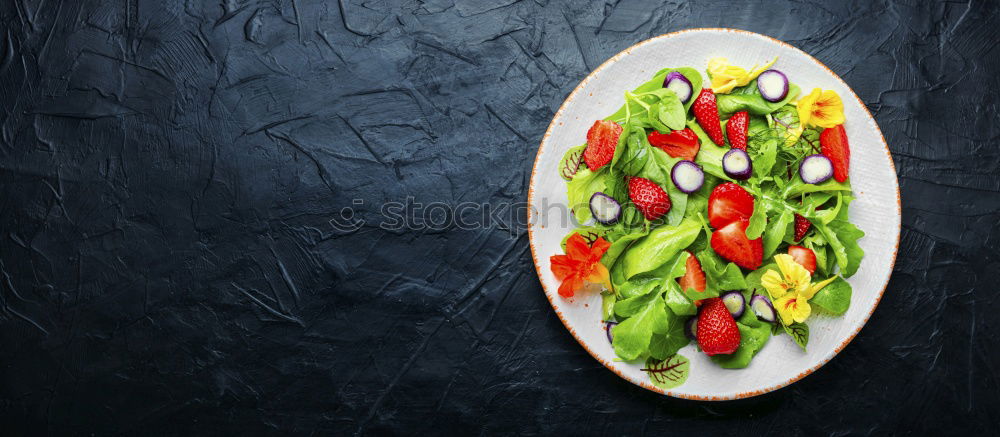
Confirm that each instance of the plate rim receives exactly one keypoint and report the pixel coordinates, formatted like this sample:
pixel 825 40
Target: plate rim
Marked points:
pixel 548 295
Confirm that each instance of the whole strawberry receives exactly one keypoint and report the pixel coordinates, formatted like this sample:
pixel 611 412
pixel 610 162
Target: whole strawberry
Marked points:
pixel 717 331
pixel 651 200
pixel 707 114
pixel 736 129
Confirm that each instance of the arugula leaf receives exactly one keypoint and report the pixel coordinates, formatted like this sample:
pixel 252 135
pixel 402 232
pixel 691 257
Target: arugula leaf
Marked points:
pixel 584 184
pixel 661 245
pixel 799 333
pixel 757 221
pixel 797 187
pixel 780 229
pixel 719 276
pixel 835 298
pixel 843 238
pixel 668 373
pixel 748 98
pixel 632 336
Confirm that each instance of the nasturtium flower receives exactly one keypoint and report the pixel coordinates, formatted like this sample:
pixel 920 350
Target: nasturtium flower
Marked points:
pixel 821 108
pixel 581 265
pixel 791 289
pixel 725 77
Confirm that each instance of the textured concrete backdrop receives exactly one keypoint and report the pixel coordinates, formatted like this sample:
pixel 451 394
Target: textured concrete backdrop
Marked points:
pixel 169 169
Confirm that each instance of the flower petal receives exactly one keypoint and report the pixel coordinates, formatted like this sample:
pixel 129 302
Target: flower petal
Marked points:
pixel 597 250
pixel 784 306
pixel 806 104
pixel 773 283
pixel 801 310
pixel 577 248
pixel 570 285
pixel 562 266
pixel 600 275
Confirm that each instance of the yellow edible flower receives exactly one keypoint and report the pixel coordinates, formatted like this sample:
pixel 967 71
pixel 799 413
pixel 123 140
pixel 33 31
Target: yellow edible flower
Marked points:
pixel 725 77
pixel 821 108
pixel 791 289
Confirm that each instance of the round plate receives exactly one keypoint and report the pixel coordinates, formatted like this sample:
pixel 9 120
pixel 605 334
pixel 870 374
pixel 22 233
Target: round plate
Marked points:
pixel 876 210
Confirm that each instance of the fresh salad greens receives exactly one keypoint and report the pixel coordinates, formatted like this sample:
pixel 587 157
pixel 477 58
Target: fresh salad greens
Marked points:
pixel 694 243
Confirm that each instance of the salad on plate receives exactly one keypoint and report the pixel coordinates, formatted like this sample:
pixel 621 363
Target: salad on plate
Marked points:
pixel 711 210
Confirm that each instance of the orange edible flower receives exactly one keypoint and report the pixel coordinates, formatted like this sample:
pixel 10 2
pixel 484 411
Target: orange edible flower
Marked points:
pixel 581 264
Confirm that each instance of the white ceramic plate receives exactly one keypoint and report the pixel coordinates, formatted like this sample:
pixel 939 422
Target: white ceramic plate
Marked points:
pixel 876 209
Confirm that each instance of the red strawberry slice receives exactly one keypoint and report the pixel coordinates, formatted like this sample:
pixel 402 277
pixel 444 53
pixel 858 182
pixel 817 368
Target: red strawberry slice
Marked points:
pixel 736 129
pixel 833 143
pixel 804 256
pixel 728 203
pixel 707 113
pixel 731 243
pixel 651 200
pixel 694 276
pixel 802 226
pixel 602 138
pixel 681 144
pixel 717 330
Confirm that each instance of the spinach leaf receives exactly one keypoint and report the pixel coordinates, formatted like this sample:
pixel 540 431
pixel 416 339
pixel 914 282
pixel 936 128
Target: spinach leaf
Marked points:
pixel 660 246
pixel 692 76
pixel 748 98
pixel 835 298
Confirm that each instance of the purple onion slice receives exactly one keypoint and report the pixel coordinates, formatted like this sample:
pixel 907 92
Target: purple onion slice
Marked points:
pixel 605 208
pixel 737 164
pixel 815 169
pixel 607 330
pixel 763 308
pixel 687 176
pixel 773 85
pixel 691 328
pixel 734 302
pixel 680 85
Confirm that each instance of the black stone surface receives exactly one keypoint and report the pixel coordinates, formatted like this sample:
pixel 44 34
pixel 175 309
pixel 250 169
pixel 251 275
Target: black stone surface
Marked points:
pixel 169 171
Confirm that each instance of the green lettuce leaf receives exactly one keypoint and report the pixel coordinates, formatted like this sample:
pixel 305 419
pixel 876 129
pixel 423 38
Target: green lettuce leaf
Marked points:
pixel 633 335
pixel 584 184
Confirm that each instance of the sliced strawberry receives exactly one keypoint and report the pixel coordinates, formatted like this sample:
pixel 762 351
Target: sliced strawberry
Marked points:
pixel 694 276
pixel 731 243
pixel 651 200
pixel 681 144
pixel 707 113
pixel 717 331
pixel 833 142
pixel 602 138
pixel 804 256
pixel 802 226
pixel 728 203
pixel 736 129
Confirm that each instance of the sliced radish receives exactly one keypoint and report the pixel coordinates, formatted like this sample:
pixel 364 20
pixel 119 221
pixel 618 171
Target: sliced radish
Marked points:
pixel 680 85
pixel 737 165
pixel 734 302
pixel 691 328
pixel 605 208
pixel 815 169
pixel 607 328
pixel 762 307
pixel 687 176
pixel 773 85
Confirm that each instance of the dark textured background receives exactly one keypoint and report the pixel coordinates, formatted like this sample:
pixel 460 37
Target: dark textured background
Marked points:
pixel 169 170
